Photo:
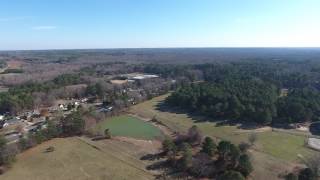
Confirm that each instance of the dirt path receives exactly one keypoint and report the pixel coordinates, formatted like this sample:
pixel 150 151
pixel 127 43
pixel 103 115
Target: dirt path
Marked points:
pixel 257 130
pixel 151 146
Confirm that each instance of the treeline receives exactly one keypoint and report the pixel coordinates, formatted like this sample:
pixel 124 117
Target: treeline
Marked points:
pixel 189 155
pixel 8 71
pixel 3 63
pixel 59 81
pixel 248 100
pixel 166 70
pixel 282 73
pixel 20 97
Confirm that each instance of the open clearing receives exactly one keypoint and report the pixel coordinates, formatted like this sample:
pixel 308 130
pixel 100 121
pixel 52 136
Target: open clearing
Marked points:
pixel 273 153
pixel 119 81
pixel 79 158
pixel 130 127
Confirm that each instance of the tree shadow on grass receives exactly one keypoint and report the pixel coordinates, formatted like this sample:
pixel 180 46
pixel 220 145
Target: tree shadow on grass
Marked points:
pixel 159 165
pixel 165 167
pixel 153 157
pixel 198 118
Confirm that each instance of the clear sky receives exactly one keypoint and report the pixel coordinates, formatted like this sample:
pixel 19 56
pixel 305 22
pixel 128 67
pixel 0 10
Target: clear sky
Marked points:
pixel 61 24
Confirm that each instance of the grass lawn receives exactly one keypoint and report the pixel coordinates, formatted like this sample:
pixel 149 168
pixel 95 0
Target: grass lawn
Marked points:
pixel 130 127
pixel 283 148
pixel 282 145
pixel 77 158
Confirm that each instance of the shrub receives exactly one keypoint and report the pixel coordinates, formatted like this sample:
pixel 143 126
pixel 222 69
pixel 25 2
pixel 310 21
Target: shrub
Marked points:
pixel 291 176
pixel 168 146
pixel 208 146
pixel 107 133
pixel 186 160
pixel 245 165
pixel 50 149
pixel 231 175
pixel 244 147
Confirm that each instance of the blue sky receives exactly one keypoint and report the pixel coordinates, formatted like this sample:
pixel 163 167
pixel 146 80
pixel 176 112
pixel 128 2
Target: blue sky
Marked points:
pixel 68 24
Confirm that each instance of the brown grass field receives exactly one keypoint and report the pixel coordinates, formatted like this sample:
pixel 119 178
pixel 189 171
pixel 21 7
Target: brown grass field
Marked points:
pixel 80 159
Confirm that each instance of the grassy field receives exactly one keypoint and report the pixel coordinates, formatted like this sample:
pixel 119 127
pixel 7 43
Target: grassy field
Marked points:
pixel 79 158
pixel 130 127
pixel 273 151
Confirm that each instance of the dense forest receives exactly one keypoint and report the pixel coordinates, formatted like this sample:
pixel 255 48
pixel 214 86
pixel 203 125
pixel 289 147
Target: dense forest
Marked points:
pixel 245 100
pixel 262 92
pixel 249 101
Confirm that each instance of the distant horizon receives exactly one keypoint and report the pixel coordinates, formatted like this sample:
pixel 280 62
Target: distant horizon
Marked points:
pixel 124 48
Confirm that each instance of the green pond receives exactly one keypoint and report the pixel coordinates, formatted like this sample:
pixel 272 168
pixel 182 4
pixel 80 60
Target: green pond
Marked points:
pixel 129 126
